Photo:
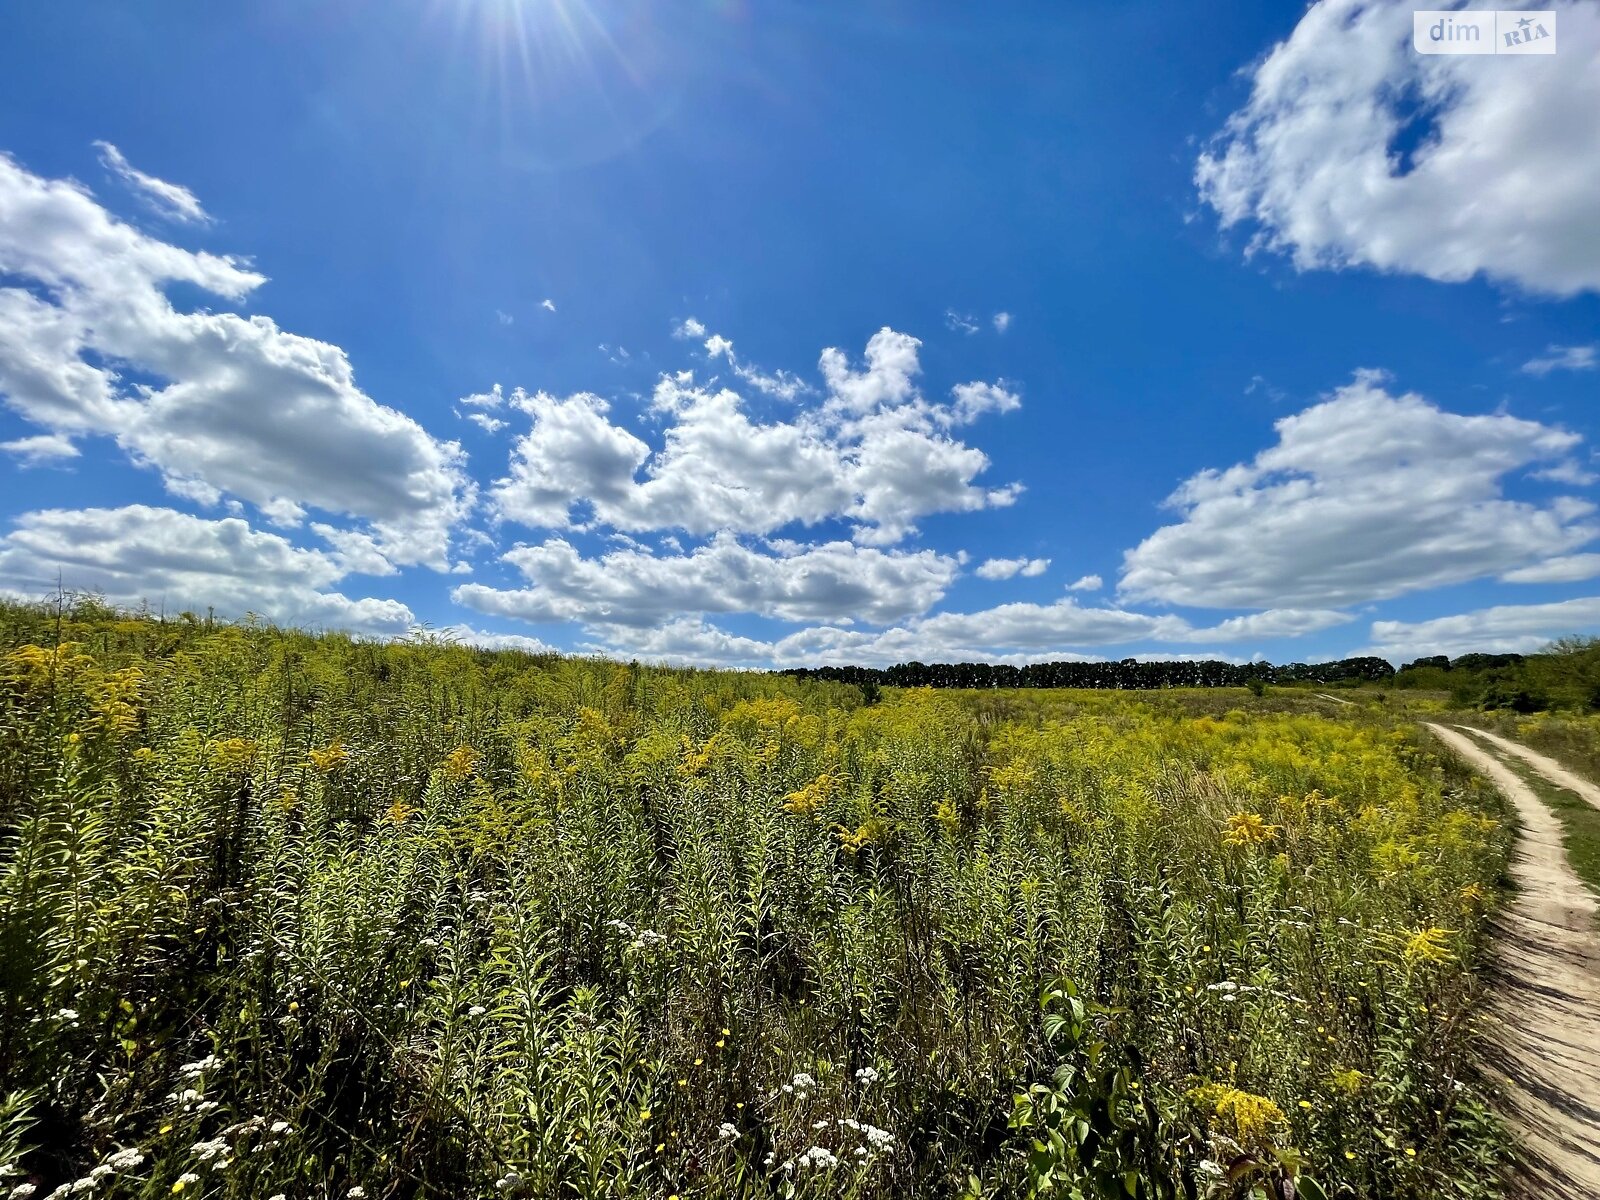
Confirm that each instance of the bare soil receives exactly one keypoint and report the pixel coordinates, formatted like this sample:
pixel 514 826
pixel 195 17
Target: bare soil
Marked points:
pixel 1543 1011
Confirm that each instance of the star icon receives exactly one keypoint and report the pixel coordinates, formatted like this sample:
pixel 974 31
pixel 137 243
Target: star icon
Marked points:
pixel 1524 23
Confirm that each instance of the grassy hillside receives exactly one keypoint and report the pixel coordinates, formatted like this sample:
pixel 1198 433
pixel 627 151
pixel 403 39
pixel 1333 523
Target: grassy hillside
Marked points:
pixel 299 916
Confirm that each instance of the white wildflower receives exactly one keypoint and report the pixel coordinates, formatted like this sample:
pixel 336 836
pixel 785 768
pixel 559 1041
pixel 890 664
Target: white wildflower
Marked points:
pixel 868 1075
pixel 818 1159
pixel 477 1010
pixel 209 1150
pixel 356 1193
pixel 22 1191
pixel 125 1160
pixel 727 1131
pixel 879 1139
pixel 200 1066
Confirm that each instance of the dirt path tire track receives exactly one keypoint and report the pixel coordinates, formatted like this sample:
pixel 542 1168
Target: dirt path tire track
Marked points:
pixel 1543 1012
pixel 1544 764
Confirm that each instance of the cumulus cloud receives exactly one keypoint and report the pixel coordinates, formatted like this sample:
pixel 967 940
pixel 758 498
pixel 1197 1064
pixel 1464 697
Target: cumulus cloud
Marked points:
pixel 1569 568
pixel 493 398
pixel 779 384
pixel 1008 633
pixel 689 329
pixel 1569 472
pixel 547 304
pixel 43 448
pixel 1355 150
pixel 1086 583
pixel 1366 495
pixel 1007 568
pixel 834 581
pixel 140 554
pixel 219 404
pixel 1002 322
pixel 466 635
pixel 1273 623
pixel 1505 629
pixel 1563 358
pixel 169 199
pixel 875 453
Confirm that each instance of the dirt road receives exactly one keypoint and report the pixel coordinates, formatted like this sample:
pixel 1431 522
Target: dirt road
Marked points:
pixel 1543 764
pixel 1544 1009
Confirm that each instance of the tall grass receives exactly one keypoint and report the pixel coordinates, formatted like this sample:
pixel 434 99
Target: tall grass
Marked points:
pixel 301 916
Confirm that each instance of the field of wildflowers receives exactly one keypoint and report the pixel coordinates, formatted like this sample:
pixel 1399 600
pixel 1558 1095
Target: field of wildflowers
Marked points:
pixel 285 916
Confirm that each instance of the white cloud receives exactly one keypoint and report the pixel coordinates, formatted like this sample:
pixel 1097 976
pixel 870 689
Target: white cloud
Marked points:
pixel 547 304
pixel 1007 568
pixel 1273 623
pixel 960 322
pixel 466 635
pixel 1569 568
pixel 1568 472
pixel 493 398
pixel 140 554
pixel 887 382
pixel 779 384
pixel 1365 496
pixel 217 403
pixel 835 581
pixel 1563 358
pixel 1315 159
pixel 689 329
pixel 169 199
pixel 1002 321
pixel 1087 583
pixel 1506 629
pixel 44 448
pixel 975 399
pixel 874 453
pixel 1009 633
pixel 486 423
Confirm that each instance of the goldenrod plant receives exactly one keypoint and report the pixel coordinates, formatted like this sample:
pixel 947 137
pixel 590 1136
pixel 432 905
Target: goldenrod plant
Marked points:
pixel 301 916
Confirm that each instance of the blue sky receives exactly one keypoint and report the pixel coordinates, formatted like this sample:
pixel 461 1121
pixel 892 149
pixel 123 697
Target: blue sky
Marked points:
pixel 821 333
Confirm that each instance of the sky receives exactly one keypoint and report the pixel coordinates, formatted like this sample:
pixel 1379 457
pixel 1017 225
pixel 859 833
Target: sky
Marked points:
pixel 787 334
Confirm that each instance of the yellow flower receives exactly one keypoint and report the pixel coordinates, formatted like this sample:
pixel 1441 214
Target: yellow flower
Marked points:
pixel 233 754
pixel 811 797
pixel 1248 829
pixel 1346 1080
pixel 330 758
pixel 1248 1117
pixel 460 763
pixel 1428 946
pixel 873 830
pixel 398 812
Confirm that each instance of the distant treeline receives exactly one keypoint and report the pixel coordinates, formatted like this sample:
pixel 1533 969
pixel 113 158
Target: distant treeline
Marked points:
pixel 1129 673
pixel 1566 675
